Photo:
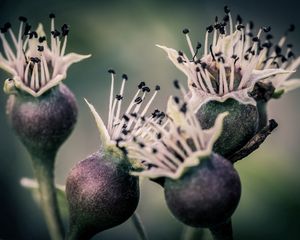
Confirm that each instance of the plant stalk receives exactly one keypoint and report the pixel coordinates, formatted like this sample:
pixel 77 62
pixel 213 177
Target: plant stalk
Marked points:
pixel 191 233
pixel 222 231
pixel 139 226
pixel 44 172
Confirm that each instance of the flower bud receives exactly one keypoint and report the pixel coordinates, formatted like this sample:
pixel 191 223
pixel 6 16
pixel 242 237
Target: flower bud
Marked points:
pixel 206 195
pixel 101 195
pixel 239 126
pixel 43 123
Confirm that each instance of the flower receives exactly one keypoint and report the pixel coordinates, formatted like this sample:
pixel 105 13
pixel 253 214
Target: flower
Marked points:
pixel 120 124
pixel 167 148
pixel 233 61
pixel 35 67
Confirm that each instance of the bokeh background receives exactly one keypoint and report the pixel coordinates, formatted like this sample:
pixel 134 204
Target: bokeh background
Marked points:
pixel 122 35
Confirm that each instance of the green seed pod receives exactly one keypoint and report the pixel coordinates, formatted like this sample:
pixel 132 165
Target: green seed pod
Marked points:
pixel 101 194
pixel 43 123
pixel 206 195
pixel 239 126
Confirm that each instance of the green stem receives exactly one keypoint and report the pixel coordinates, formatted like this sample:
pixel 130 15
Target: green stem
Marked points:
pixel 191 233
pixel 44 172
pixel 222 231
pixel 139 226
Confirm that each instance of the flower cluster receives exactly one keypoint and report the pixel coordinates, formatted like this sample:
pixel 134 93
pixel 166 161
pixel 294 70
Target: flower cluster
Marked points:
pixel 34 66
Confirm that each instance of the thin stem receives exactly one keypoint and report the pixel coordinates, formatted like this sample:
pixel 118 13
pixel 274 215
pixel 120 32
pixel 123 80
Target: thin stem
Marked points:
pixel 139 226
pixel 44 172
pixel 222 231
pixel 191 233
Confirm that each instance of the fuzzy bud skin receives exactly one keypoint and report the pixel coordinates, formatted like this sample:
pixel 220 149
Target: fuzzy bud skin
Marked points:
pixel 43 123
pixel 206 195
pixel 239 126
pixel 101 194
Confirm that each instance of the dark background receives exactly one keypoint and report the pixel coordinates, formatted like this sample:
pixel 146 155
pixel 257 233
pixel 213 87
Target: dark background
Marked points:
pixel 122 35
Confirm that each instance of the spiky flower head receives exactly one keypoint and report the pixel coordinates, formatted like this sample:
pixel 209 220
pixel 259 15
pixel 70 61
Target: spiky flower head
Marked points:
pixel 34 66
pixel 233 60
pixel 167 148
pixel 121 123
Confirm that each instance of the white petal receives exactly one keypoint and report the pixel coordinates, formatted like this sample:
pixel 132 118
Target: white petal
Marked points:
pixel 289 85
pixel 257 75
pixel 71 58
pixel 104 136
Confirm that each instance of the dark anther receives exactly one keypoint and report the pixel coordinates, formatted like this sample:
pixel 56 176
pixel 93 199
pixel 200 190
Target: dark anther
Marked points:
pixel 211 52
pixel 269 36
pixel 266 29
pixel 290 54
pixel 185 31
pixel 138 100
pixel 158 136
pixel 124 76
pixel 55 33
pixel 7 25
pixel 239 19
pixel 226 9
pixel 289 45
pixel 51 15
pixel 250 34
pixel 111 71
pixel 194 85
pixel 255 39
pixel 222 30
pixel 199 45
pixel 176 84
pixel 180 53
pixel 179 60
pixel 22 19
pixel 217 26
pixel 119 97
pixel 133 115
pixel 251 25
pixel 35 60
pixel 126 118
pixel 291 28
pixel 146 89
pixel 3 30
pixel 176 99
pixel 143 119
pixel 33 34
pixel 246 57
pixel 234 56
pixel 65 30
pixel 40 48
pixel 154 150
pixel 210 28
pixel 125 132
pixel 183 108
pixel 42 39
pixel 203 65
pixel 239 27
pixel 141 85
pixel 216 19
pixel 198 61
pixel 277 50
pixel 27 29
pixel 10 79
pixel 283 59
pixel 267 45
pixel 157 88
pixel 226 18
pixel 197 69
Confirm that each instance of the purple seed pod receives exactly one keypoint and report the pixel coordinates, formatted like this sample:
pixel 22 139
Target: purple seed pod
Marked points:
pixel 101 194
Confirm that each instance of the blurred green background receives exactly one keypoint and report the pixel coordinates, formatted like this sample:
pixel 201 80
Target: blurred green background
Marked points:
pixel 122 35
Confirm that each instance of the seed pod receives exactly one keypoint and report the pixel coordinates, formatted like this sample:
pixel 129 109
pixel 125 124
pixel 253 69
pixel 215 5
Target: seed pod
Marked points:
pixel 101 195
pixel 206 195
pixel 239 126
pixel 43 123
